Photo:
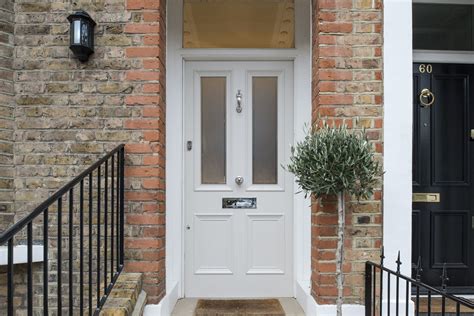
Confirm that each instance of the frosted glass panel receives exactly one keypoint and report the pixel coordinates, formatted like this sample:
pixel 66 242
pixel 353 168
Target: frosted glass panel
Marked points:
pixel 213 130
pixel 239 24
pixel 265 126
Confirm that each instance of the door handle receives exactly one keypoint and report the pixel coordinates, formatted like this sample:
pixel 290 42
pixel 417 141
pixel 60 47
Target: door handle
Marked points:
pixel 426 94
pixel 239 180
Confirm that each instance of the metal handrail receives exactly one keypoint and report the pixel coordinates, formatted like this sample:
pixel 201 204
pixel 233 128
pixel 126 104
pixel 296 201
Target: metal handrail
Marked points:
pixel 374 297
pixel 53 198
pixel 113 190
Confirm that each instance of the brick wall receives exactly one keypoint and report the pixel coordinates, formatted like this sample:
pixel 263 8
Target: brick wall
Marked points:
pixel 68 114
pixel 6 113
pixel 347 88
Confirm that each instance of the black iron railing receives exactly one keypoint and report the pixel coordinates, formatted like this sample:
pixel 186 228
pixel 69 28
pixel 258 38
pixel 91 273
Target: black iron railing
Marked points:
pixel 94 201
pixel 409 293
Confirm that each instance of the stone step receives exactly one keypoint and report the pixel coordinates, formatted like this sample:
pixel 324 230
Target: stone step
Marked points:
pixel 127 297
pixel 140 306
pixel 436 307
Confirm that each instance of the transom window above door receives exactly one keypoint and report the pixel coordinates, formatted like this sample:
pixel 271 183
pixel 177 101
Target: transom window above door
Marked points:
pixel 443 26
pixel 239 24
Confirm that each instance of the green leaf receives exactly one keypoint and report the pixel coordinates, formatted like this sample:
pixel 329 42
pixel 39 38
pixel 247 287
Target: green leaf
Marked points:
pixel 334 159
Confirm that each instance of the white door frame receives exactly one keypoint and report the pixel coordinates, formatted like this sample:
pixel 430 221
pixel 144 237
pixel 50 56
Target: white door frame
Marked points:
pixel 398 124
pixel 176 56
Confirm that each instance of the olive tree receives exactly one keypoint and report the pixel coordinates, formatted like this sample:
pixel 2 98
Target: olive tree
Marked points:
pixel 335 161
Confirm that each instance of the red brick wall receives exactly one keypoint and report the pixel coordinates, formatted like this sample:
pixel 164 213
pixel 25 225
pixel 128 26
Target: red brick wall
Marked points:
pixel 347 88
pixel 146 250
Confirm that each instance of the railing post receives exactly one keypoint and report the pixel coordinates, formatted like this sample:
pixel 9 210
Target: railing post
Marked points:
pixel 368 289
pixel 45 261
pixel 98 238
pixel 397 299
pixel 382 257
pixel 30 267
pixel 122 206
pixel 90 240
pixel 10 274
pixel 59 257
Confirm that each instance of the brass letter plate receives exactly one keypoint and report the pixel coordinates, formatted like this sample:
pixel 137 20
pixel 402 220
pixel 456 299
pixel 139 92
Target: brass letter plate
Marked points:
pixel 426 197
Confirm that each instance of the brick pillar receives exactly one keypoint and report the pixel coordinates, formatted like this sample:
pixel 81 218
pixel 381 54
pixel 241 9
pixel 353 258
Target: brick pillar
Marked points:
pixel 6 114
pixel 347 88
pixel 146 223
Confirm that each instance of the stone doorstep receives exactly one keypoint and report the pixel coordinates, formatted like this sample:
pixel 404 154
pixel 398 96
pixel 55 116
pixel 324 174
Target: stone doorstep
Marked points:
pixel 124 295
pixel 436 306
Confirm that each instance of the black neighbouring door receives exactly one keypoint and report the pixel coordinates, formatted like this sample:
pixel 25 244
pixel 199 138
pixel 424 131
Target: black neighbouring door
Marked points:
pixel 442 163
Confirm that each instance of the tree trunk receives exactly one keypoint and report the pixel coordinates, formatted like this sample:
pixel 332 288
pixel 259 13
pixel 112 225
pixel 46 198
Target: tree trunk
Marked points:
pixel 340 251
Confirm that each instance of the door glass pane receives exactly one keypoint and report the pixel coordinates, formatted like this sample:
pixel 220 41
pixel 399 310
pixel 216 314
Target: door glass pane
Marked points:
pixel 213 130
pixel 239 24
pixel 442 26
pixel 265 126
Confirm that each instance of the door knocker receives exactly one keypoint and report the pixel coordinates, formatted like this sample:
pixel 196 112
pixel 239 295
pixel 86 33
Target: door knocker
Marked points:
pixel 427 98
pixel 239 102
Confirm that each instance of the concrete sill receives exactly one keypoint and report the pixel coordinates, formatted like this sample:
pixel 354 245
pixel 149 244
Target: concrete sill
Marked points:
pixel 20 254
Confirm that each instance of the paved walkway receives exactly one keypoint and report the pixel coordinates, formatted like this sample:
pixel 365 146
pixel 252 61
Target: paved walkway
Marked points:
pixel 185 307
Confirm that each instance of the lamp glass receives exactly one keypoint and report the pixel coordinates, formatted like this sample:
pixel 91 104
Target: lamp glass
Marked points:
pixel 77 31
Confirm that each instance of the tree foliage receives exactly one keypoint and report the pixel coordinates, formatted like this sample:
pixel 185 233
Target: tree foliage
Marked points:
pixel 335 159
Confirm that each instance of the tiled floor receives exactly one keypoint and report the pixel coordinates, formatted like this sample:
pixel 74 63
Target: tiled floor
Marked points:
pixel 185 307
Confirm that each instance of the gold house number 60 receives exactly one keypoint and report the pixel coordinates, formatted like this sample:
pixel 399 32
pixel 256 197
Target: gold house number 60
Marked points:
pixel 426 68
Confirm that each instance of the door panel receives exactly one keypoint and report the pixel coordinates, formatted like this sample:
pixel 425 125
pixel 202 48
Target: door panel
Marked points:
pixel 213 255
pixel 208 120
pixel 448 130
pixel 442 151
pixel 416 170
pixel 238 128
pixel 416 236
pixel 449 239
pixel 265 255
pixel 270 91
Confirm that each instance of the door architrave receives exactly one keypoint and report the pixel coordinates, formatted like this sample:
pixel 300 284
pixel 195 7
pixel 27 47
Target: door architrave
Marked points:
pixel 176 57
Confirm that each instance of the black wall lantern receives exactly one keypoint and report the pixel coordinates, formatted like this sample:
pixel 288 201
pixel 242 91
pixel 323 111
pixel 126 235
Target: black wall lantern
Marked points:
pixel 81 40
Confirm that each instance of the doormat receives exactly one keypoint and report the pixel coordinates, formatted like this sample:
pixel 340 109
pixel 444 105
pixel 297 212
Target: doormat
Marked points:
pixel 266 307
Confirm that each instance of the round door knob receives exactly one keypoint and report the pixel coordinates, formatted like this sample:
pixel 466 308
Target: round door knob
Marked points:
pixel 239 180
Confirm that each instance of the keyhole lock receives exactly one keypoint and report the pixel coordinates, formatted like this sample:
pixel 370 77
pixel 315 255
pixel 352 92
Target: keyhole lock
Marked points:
pixel 239 180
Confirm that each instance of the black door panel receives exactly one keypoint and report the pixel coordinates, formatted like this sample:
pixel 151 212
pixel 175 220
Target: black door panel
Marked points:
pixel 442 158
pixel 449 126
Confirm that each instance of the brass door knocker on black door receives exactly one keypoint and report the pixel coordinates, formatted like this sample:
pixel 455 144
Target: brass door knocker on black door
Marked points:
pixel 427 98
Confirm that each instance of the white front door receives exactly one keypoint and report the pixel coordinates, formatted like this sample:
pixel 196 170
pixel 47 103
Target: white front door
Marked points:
pixel 238 198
